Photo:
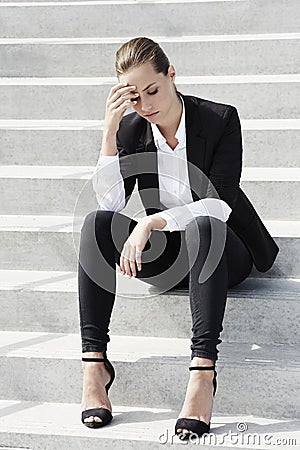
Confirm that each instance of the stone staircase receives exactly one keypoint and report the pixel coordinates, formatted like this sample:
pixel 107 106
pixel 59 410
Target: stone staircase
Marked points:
pixel 56 69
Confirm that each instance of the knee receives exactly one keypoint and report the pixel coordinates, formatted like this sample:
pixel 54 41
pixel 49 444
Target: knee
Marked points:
pixel 204 224
pixel 199 225
pixel 202 230
pixel 95 220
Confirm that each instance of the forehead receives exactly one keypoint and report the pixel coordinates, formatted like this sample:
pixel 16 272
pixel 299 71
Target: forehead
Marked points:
pixel 141 76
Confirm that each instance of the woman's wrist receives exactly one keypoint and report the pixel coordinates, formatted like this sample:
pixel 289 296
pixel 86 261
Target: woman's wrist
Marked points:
pixel 109 146
pixel 154 222
pixel 109 134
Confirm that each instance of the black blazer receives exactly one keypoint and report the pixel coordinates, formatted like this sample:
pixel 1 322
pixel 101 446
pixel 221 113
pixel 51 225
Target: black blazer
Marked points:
pixel 213 145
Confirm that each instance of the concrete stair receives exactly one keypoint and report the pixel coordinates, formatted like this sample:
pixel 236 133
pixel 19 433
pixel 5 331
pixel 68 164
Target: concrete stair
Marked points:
pixel 160 363
pixel 134 428
pixel 84 98
pixel 262 310
pixel 168 18
pixel 57 66
pixel 85 57
pixel 76 142
pixel 60 189
pixel 58 240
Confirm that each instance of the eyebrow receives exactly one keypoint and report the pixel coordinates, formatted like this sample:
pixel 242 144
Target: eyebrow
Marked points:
pixel 148 86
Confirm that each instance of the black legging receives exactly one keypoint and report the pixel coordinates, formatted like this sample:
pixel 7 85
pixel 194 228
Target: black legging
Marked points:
pixel 103 235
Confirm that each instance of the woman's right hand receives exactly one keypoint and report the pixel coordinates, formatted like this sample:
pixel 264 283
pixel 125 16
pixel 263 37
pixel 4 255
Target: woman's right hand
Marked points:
pixel 119 99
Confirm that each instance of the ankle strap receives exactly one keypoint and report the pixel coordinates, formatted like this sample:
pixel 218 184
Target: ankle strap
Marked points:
pixel 202 368
pixel 94 359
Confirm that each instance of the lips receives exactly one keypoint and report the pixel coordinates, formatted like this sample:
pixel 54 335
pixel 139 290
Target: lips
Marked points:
pixel 150 115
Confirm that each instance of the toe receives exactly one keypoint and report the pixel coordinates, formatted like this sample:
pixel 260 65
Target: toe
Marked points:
pixel 88 419
pixel 183 431
pixel 93 419
pixel 186 432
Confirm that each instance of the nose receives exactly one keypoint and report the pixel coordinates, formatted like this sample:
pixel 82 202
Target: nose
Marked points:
pixel 146 107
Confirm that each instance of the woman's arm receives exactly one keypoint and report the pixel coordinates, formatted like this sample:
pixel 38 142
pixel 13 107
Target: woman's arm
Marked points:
pixel 154 221
pixel 179 217
pixel 108 184
pixel 107 181
pixel 224 177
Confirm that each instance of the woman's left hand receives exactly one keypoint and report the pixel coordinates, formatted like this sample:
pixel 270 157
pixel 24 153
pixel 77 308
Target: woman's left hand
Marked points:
pixel 133 247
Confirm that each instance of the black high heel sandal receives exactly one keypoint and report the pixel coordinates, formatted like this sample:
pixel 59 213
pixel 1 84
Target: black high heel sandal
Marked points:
pixel 103 413
pixel 196 426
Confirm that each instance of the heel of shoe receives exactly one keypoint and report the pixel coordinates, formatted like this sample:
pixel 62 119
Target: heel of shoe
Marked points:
pixel 104 414
pixel 196 426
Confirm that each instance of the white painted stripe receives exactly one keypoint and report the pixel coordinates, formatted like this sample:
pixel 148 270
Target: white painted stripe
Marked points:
pixel 283 228
pixel 85 172
pixel 270 124
pixel 24 124
pixel 47 172
pixel 15 448
pixel 35 280
pixel 183 80
pixel 58 224
pixel 57 281
pixel 67 346
pixel 47 419
pixel 113 2
pixel 271 174
pixel 52 124
pixel 168 39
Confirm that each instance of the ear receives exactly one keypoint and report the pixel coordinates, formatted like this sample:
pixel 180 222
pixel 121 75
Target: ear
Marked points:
pixel 171 72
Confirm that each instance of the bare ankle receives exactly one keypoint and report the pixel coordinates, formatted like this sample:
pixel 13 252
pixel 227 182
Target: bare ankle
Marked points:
pixel 197 361
pixel 93 355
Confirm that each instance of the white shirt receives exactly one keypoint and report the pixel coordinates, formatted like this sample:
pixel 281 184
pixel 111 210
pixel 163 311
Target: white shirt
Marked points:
pixel 174 188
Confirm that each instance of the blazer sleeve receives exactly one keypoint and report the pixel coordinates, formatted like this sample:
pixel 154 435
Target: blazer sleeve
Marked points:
pixel 225 170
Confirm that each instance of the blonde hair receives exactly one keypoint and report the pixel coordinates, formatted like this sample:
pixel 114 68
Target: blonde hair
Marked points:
pixel 139 51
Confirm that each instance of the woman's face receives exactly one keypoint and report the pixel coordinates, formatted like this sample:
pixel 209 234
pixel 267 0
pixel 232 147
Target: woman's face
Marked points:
pixel 156 92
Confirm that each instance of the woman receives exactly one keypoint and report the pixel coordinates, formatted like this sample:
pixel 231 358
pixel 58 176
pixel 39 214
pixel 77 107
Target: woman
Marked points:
pixel 166 144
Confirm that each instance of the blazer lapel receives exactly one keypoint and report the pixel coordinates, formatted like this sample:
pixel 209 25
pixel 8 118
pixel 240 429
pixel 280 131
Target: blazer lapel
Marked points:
pixel 195 146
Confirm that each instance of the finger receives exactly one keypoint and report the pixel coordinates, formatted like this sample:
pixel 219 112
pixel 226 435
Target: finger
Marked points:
pixel 122 264
pixel 123 261
pixel 132 260
pixel 132 268
pixel 124 104
pixel 127 266
pixel 122 93
pixel 132 263
pixel 113 93
pixel 125 258
pixel 116 87
pixel 123 101
pixel 138 258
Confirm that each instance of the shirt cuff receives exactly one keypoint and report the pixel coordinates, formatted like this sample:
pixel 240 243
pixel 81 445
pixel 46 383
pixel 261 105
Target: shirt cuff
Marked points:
pixel 179 216
pixel 107 159
pixel 172 224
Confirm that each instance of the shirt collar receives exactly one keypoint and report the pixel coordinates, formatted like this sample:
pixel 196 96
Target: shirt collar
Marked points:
pixel 180 133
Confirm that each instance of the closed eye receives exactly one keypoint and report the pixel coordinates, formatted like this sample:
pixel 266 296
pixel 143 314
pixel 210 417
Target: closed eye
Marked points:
pixel 154 92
